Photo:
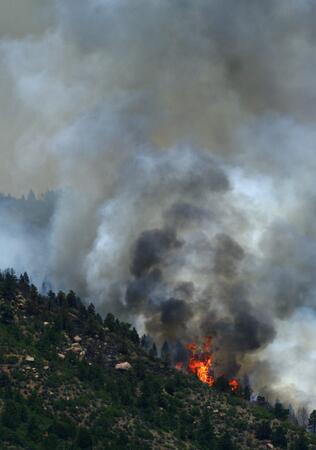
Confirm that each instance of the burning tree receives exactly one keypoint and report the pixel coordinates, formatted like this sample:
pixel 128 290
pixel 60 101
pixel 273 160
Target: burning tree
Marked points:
pixel 200 363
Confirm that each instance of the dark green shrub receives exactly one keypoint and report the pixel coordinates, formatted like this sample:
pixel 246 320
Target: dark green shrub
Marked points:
pixel 263 430
pixel 84 439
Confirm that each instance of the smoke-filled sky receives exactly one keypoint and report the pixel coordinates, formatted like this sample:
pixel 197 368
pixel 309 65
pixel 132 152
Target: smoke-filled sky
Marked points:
pixel 180 138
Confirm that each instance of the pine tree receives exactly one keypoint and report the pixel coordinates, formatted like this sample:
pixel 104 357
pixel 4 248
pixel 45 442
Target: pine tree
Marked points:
pixel 146 343
pixel 71 299
pixel 279 411
pixel 24 283
pixel 165 353
pixel 279 437
pixel 134 336
pixel 61 298
pixel 292 415
pixel 109 322
pixel 9 284
pixel 31 197
pixel 225 443
pixel 205 432
pixel 84 439
pixel 301 443
pixel 312 423
pixel 247 392
pixel 263 430
pixel 33 292
pixel 153 351
pixel 91 309
pixel 302 417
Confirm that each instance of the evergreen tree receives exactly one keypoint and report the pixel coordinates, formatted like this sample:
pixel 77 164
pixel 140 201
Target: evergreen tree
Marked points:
pixel 33 292
pixel 247 391
pixel 263 430
pixel 225 443
pixel 33 429
pixel 221 384
pixel 165 353
pixel 7 316
pixel 9 284
pixel 302 417
pixel 279 411
pixel 24 283
pixel 143 341
pixel 84 439
pixel 11 416
pixel 205 432
pixel 91 309
pixel 279 437
pixel 153 351
pixel 301 443
pixel 31 197
pixel 146 343
pixel 71 299
pixel 134 336
pixel 109 322
pixel 51 295
pixel 61 298
pixel 312 423
pixel 292 416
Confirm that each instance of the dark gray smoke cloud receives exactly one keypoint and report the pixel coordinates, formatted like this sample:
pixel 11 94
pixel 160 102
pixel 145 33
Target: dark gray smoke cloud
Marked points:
pixel 181 138
pixel 150 249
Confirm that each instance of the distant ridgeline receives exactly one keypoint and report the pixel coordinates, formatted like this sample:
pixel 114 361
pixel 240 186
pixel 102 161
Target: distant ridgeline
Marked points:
pixel 29 210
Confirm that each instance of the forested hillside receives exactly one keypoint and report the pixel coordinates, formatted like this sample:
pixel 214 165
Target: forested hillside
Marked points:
pixel 61 388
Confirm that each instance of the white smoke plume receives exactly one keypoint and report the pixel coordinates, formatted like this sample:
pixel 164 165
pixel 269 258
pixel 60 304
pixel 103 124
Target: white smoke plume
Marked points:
pixel 180 137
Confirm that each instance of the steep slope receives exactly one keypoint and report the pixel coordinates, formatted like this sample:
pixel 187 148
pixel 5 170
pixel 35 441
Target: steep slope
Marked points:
pixel 59 388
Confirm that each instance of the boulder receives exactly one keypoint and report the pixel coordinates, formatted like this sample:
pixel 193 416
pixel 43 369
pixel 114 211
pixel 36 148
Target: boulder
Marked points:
pixel 29 358
pixel 76 349
pixel 123 366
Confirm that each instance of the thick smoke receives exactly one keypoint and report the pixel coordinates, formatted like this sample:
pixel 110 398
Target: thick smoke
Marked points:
pixel 25 232
pixel 180 138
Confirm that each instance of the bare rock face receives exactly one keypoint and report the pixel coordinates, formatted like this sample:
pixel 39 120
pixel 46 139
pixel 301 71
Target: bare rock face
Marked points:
pixel 123 366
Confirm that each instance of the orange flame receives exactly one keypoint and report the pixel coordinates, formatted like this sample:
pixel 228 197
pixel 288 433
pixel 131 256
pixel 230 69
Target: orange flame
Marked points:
pixel 233 384
pixel 179 365
pixel 200 363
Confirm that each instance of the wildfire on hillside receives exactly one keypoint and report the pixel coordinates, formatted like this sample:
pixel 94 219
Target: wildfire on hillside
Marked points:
pixel 200 363
pixel 233 384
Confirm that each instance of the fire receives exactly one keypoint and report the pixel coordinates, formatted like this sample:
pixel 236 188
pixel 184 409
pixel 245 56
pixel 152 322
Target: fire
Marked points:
pixel 200 363
pixel 179 365
pixel 233 384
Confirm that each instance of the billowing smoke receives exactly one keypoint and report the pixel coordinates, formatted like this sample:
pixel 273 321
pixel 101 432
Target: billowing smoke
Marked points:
pixel 180 139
